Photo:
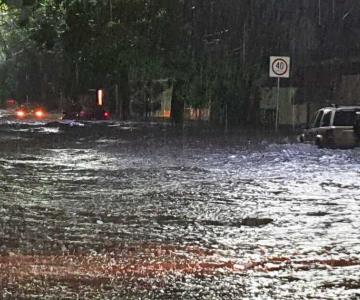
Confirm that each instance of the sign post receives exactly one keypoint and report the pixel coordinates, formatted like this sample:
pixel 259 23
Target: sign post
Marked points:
pixel 279 68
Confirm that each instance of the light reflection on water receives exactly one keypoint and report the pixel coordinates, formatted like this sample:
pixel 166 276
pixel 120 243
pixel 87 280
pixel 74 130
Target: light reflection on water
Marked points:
pixel 247 199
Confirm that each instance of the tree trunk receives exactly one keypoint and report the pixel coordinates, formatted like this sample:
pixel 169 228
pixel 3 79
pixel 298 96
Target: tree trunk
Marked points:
pixel 124 95
pixel 177 103
pixel 117 102
pixel 253 108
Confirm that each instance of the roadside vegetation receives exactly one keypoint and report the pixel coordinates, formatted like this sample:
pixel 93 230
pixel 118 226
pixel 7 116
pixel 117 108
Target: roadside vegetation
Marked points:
pixel 213 53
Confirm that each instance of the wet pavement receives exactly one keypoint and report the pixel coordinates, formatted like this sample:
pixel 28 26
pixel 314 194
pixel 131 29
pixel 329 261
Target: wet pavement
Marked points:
pixel 111 210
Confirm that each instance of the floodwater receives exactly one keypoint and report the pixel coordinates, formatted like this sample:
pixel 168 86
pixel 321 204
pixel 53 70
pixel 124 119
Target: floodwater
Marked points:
pixel 133 211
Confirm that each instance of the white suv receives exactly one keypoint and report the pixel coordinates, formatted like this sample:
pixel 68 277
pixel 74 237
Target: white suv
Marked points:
pixel 334 127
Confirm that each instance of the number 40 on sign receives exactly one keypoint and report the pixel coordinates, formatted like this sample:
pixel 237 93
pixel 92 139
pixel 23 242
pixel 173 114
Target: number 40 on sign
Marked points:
pixel 280 66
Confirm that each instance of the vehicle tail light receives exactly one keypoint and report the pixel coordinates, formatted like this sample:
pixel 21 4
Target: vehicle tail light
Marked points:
pixel 20 113
pixel 39 113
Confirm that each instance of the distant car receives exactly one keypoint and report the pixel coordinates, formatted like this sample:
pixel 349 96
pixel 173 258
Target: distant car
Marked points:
pixel 30 112
pixel 334 127
pixel 97 113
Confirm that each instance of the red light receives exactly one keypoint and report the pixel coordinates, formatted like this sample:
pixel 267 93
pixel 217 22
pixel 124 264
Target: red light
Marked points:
pixel 106 114
pixel 39 113
pixel 20 113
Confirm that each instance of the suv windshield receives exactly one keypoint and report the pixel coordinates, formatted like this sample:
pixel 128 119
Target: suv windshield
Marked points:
pixel 317 119
pixel 344 118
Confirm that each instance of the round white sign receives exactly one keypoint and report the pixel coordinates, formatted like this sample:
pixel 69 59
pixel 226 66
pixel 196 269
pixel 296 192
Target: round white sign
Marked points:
pixel 280 66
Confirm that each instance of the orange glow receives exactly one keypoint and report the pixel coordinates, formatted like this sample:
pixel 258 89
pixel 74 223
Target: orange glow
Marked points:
pixel 166 114
pixel 20 113
pixel 39 113
pixel 100 95
pixel 141 261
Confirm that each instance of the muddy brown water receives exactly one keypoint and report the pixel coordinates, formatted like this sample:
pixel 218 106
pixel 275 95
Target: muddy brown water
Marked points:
pixel 129 210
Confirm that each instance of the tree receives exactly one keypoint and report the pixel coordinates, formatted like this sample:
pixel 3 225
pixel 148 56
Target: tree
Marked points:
pixel 214 52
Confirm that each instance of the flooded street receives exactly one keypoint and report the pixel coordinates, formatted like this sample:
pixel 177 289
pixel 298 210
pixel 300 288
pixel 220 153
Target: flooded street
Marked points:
pixel 132 211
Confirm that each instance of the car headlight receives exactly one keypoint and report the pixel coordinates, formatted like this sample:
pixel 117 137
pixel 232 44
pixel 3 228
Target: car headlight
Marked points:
pixel 20 113
pixel 39 113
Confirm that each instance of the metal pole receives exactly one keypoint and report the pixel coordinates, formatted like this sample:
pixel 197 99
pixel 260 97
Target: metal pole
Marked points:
pixel 293 115
pixel 277 105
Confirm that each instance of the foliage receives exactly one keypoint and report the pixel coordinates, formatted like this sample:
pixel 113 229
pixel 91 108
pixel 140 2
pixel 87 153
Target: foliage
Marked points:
pixel 218 50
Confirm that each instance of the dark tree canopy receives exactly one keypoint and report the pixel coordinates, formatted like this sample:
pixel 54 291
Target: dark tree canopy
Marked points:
pixel 216 51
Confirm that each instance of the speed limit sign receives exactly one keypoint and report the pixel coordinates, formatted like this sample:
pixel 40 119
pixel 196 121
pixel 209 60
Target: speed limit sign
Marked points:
pixel 280 66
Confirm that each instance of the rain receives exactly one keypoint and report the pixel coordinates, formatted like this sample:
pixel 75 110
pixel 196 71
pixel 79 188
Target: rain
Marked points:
pixel 146 152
